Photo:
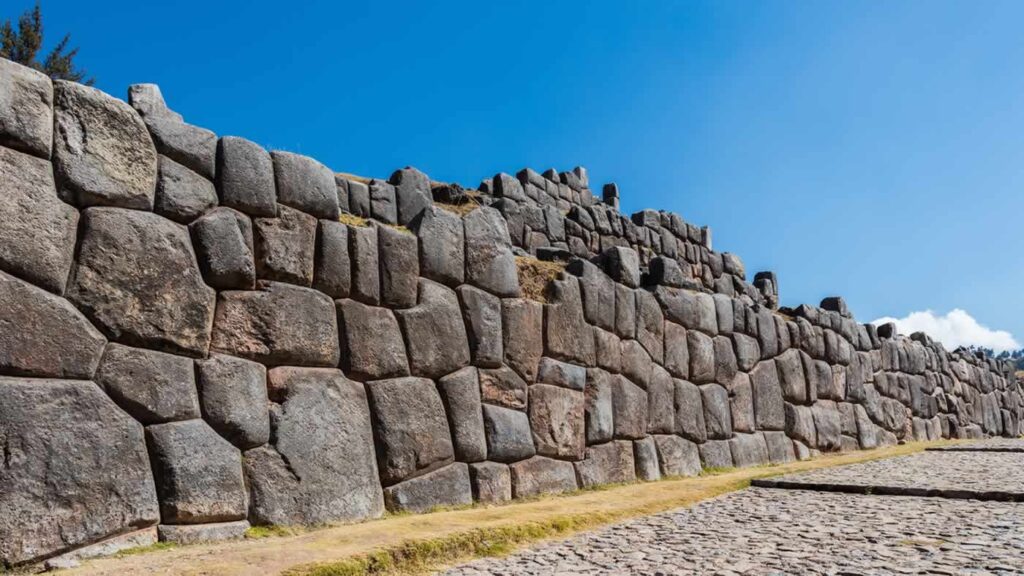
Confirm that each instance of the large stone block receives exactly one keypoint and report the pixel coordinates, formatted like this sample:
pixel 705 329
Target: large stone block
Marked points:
pixel 741 403
pixel 790 368
pixel 661 402
pixel 645 455
pixel 490 264
pixel 567 336
pixel 137 279
pixel 154 387
pixel 442 246
pixel 198 474
pixel 481 313
pixel 540 475
pixel 285 247
pixel 562 374
pixel 689 410
pixel 233 396
pixel 629 409
pixel 399 267
pixel 383 205
pixel 748 450
pixel 371 342
pixel 522 323
pixel 827 425
pixel 410 428
pixel 716 454
pixel 508 434
pixel 650 325
pixel 321 467
pixel 181 194
pixel 781 450
pixel 800 424
pixel 702 357
pixel 636 363
pixel 769 413
pixel 365 268
pixel 190 145
pixel 45 335
pixel 412 193
pixel 37 229
pixel 599 406
pixel 305 184
pixel 503 387
pixel 622 264
pixel 491 481
pixel 693 310
pixel 607 350
pixel 598 292
pixel 748 352
pixel 678 456
pixel 26 109
pixel 102 152
pixel 332 267
pixel 66 438
pixel 449 486
pixel 460 392
pixel 224 248
pixel 434 332
pixel 557 421
pixel 186 534
pixel 725 361
pixel 625 311
pixel 245 177
pixel 608 463
pixel 677 351
pixel 717 412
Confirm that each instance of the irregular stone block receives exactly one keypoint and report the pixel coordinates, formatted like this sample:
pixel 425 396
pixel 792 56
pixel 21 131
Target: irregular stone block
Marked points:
pixel 245 177
pixel 540 475
pixel 622 265
pixel 800 424
pixel 365 269
pixel 332 267
pixel 767 336
pixel 491 481
pixel 636 363
pixel 442 246
pixel 780 447
pixel 645 455
pixel 190 145
pixel 410 428
pixel 47 337
pixel 608 463
pixel 181 194
pixel 661 402
pixel 599 406
pixel 741 404
pixel 508 434
pixel 382 202
pixel 791 376
pixel 557 421
pixel 371 342
pixel 725 361
pixel 562 374
pixel 678 457
pixel 689 411
pixel 677 351
pixel 412 192
pixel 625 312
pixel 358 198
pixel 277 324
pixel 285 247
pixel 321 467
pixel 607 350
pixel 233 396
pixel 223 242
pixel 664 271
pixel 152 294
pixel 185 534
pixel 827 426
pixel 598 291
pixel 716 454
pixel 305 184
pixel 522 324
pixel 702 357
pixel 566 333
pixel 748 450
pixel 629 409
pixel 748 352
pixel 503 387
pixel 769 413
pixel 481 313
pixel 490 264
pixel 650 325
pixel 37 230
pixel 436 314
pixel 26 116
pixel 198 474
pixel 153 387
pixel 460 392
pixel 693 310
pixel 717 413
pixel 102 152
pixel 399 267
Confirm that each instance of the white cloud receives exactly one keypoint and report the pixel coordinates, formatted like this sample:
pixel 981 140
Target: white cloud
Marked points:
pixel 957 328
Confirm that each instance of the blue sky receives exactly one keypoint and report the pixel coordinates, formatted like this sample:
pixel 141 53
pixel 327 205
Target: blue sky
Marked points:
pixel 873 150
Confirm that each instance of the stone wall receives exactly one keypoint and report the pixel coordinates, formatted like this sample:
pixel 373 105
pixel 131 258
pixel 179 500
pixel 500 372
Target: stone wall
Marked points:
pixel 197 334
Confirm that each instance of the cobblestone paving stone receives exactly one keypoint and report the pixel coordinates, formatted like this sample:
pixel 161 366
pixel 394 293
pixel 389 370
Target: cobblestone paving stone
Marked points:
pixel 987 475
pixel 992 445
pixel 762 531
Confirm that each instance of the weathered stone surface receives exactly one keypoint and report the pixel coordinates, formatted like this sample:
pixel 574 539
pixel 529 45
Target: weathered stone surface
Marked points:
pixel 412 193
pixel 769 413
pixel 460 392
pixel 678 456
pixel 598 292
pixel 650 325
pixel 153 387
pixel 365 267
pixel 562 374
pixel 442 246
pixel 190 145
pixel 321 467
pixel 233 397
pixel 358 198
pixel 399 267
pixel 748 352
pixel 716 454
pixel 434 332
pixel 224 248
pixel 689 411
pixel 677 351
pixel 481 313
pixel 645 455
pixel 748 450
pixel 26 109
pixel 45 423
pixel 622 265
pixel 198 474
pixel 741 403
pixel 566 333
pixel 382 202
pixel 607 350
pixel 692 310
pixel 800 424
pixel 522 324
pixel 37 229
pixel 490 264
pixel 181 194
pixel 508 434
pixel 136 278
pixel 245 177
pixel 332 267
pixel 186 534
pixel 666 272
pixel 371 342
pixel 557 421
pixel 305 184
pixel 629 409
pixel 791 376
pixel 827 425
pixel 598 406
pixel 102 153
pixel 717 412
pixel 491 481
pixel 410 428
pixel 449 486
pixel 636 363
pixel 608 463
pixel 285 247
pixel 725 360
pixel 702 357
pixel 55 340
pixel 625 312
pixel 780 447
pixel 503 387
pixel 540 475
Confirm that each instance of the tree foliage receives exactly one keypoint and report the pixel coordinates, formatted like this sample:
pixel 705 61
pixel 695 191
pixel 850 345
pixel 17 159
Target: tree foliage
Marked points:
pixel 23 45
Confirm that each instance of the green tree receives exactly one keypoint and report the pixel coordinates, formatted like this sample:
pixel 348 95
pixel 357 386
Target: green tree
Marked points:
pixel 23 45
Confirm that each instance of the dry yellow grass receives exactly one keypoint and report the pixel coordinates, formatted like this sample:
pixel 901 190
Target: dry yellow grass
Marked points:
pixel 458 209
pixel 354 177
pixel 409 544
pixel 353 220
pixel 534 276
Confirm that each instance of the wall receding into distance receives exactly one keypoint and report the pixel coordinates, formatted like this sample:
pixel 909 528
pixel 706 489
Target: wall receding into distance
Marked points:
pixel 198 335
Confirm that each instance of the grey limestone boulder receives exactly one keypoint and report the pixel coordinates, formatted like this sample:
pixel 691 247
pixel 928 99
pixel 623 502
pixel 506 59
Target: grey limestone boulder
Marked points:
pixel 190 145
pixel 491 481
pixel 725 361
pixel 636 363
pixel 598 406
pixel 645 455
pixel 664 271
pixel 358 197
pixel 716 454
pixel 781 449
pixel 741 403
pixel 689 411
pixel 66 438
pixel 305 184
pixel 598 292
pixel 223 242
pixel 717 412
pixel 383 205
pixel 748 352
pixel 198 474
pixel 790 368
pixel 678 456
pixel 321 466
pixel 748 450
pixel 442 246
pixel 47 337
pixel 102 152
pixel 277 324
pixel 154 387
pixel 508 434
pixel 702 357
pixel 186 534
pixel 233 397
pixel 769 413
pixel 412 193
pixel 562 374
pixel 557 421
pixel 399 267
pixel 481 312
pixel 567 336
pixel 622 265
pixel 677 351
pixel 800 424
pixel 625 311
pixel 827 425
pixel 410 428
pixel 692 310
pixel 522 324
pixel 503 387
pixel 245 177
pixel 37 229
pixel 137 279
pixel 435 335
pixel 285 247
pixel 540 475
pixel 490 264
pixel 181 194
pixel 629 409
pixel 362 242
pixel 608 463
pixel 26 109
pixel 371 342
pixel 650 325
pixel 460 392
pixel 332 267
pixel 607 350
pixel 661 402
pixel 448 486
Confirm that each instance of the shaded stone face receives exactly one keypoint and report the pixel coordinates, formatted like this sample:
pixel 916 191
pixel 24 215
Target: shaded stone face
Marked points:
pixel 410 428
pixel 26 109
pixel 540 475
pixel 153 387
pixel 305 184
pixel 449 486
pixel 223 242
pixel 233 396
pixel 490 264
pixel 181 194
pixel 434 332
pixel 557 422
pixel 245 177
pixel 285 247
pixel 508 434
